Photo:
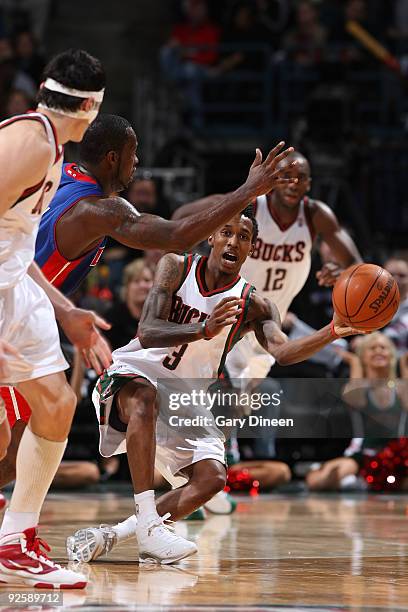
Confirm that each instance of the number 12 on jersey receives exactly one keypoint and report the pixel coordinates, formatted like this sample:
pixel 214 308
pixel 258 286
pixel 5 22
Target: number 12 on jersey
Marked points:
pixel 274 279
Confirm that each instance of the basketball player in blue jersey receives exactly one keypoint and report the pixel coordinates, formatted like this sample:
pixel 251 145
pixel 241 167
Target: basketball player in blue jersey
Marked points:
pixel 197 310
pixel 86 208
pixel 30 166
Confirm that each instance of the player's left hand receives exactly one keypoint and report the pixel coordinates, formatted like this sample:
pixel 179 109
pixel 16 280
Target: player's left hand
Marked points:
pixel 342 329
pixel 329 273
pixel 81 328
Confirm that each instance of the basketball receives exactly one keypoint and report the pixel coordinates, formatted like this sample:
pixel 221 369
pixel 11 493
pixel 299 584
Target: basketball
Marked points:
pixel 366 297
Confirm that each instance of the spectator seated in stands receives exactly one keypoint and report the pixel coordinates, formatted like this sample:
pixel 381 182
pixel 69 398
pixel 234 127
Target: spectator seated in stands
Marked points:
pixel 243 32
pixel 143 194
pixel 10 75
pixel 306 41
pixel 379 404
pixel 397 330
pixel 273 15
pixel 189 53
pixel 29 59
pixel 125 314
pixel 18 103
pixel 351 52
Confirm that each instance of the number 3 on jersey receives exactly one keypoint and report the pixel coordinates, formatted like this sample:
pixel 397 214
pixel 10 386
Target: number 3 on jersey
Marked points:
pixel 171 361
pixel 274 279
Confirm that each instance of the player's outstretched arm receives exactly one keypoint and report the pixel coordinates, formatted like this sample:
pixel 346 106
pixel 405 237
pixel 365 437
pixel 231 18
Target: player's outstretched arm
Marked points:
pixel 80 326
pixel 286 352
pixel 340 242
pixel 156 331
pixel 117 218
pixel 191 208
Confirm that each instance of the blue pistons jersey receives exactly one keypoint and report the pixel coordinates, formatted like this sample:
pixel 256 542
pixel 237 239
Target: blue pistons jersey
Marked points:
pixel 61 272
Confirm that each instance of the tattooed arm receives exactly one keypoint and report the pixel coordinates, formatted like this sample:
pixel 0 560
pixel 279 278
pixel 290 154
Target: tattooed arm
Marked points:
pixel 154 328
pixel 265 322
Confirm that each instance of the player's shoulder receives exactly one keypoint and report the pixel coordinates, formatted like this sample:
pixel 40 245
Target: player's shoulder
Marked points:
pixel 25 150
pixel 26 130
pixel 170 271
pixel 320 216
pixel 172 261
pixel 317 206
pixel 27 140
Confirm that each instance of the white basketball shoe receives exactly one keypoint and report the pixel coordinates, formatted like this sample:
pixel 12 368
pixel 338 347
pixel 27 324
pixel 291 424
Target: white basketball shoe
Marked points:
pixel 90 543
pixel 159 544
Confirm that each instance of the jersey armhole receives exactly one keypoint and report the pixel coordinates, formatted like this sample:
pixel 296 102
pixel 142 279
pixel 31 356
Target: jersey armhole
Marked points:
pixel 309 218
pixel 188 262
pixel 233 335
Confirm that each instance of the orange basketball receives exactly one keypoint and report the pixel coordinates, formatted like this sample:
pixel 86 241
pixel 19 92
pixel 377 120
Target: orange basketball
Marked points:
pixel 366 297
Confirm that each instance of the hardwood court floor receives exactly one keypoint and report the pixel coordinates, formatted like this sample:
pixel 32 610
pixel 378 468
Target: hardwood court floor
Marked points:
pixel 278 551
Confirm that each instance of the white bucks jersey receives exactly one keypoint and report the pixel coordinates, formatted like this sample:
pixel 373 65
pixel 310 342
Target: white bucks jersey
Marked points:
pixel 192 303
pixel 280 262
pixel 19 225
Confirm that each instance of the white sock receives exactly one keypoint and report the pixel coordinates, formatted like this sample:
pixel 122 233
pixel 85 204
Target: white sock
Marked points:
pixel 37 462
pixel 14 522
pixel 145 507
pixel 126 529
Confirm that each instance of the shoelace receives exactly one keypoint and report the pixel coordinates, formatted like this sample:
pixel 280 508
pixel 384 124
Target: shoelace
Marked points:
pixel 33 545
pixel 109 536
pixel 162 522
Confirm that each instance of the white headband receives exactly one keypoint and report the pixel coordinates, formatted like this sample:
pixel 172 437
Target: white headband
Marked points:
pixel 77 93
pixel 90 115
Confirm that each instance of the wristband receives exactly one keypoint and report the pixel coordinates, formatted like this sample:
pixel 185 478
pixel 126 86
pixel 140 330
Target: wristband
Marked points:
pixel 332 330
pixel 205 331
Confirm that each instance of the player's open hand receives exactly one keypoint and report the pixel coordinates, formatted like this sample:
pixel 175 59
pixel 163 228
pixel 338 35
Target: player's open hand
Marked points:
pixel 81 328
pixel 225 313
pixel 342 329
pixel 329 273
pixel 264 176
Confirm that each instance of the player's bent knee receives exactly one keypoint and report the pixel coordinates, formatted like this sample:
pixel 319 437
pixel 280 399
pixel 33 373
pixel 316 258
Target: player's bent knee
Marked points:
pixel 216 482
pixel 66 403
pixel 54 417
pixel 136 400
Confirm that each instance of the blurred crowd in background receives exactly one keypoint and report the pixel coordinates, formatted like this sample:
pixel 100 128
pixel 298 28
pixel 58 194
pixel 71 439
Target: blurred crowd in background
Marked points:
pixel 280 68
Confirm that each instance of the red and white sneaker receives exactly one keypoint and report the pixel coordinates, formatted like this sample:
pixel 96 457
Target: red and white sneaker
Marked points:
pixel 22 562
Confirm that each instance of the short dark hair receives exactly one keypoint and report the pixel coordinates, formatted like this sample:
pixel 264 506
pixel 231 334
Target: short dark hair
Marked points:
pixel 106 133
pixel 74 68
pixel 249 212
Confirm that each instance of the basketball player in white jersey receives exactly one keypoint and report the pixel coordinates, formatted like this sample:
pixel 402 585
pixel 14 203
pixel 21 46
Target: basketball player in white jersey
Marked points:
pixel 30 166
pixel 288 223
pixel 198 308
pixel 279 265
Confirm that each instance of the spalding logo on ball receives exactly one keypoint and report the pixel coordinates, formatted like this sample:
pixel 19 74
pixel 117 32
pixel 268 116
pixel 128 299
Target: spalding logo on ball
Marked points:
pixel 366 297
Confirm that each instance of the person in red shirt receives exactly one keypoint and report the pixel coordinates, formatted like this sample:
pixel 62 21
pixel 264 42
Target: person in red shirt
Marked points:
pixel 191 50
